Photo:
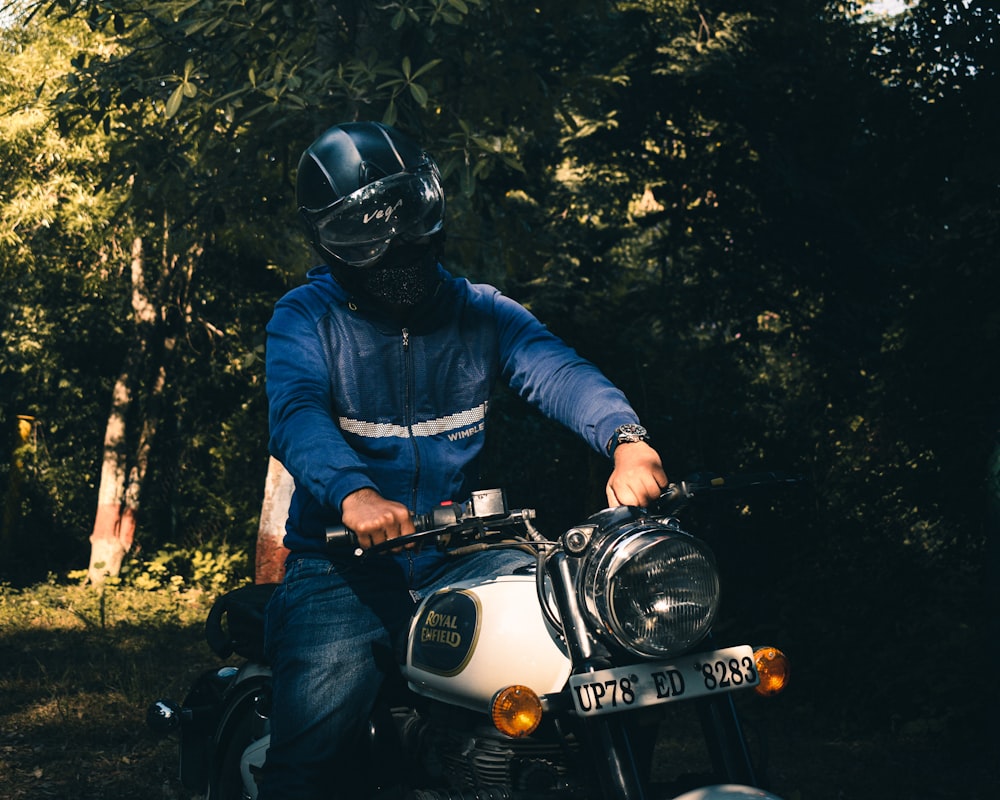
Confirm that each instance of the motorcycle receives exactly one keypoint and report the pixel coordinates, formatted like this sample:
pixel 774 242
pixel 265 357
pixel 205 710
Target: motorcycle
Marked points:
pixel 549 683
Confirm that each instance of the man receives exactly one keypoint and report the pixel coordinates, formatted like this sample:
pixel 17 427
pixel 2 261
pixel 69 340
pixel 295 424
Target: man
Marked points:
pixel 379 375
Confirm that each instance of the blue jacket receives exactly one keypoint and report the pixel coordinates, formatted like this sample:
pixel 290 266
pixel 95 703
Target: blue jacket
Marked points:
pixel 357 401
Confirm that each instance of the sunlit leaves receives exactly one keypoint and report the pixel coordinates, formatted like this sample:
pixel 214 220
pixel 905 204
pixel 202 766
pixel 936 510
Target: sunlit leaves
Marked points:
pixel 185 88
pixel 405 80
pixel 452 12
pixel 937 48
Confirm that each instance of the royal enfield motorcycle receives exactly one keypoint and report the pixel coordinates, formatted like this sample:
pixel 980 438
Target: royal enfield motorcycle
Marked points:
pixel 550 683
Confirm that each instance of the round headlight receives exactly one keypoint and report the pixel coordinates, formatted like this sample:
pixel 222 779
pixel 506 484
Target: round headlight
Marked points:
pixel 654 590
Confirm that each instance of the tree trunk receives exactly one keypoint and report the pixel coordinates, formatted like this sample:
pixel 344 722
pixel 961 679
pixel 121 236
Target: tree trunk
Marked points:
pixel 114 525
pixel 270 566
pixel 122 476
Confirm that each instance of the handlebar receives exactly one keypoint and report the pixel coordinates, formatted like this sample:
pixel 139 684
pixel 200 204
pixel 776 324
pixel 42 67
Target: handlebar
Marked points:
pixel 702 485
pixel 485 510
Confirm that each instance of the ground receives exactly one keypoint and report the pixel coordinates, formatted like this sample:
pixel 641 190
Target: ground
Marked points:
pixel 77 674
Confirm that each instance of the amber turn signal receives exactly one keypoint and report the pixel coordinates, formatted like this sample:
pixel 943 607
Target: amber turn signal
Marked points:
pixel 516 711
pixel 774 670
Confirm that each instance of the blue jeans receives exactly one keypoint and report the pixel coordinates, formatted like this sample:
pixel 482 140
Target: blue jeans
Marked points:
pixel 331 630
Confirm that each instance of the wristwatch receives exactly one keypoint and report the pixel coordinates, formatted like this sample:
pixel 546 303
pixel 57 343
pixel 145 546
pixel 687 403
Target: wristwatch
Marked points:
pixel 626 433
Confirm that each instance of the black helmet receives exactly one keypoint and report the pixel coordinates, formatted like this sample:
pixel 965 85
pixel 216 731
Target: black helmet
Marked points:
pixel 362 186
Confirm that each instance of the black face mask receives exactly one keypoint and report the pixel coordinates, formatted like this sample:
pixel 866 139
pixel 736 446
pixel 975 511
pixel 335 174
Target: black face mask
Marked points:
pixel 406 276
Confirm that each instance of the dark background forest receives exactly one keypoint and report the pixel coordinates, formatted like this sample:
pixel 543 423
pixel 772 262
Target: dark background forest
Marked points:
pixel 774 224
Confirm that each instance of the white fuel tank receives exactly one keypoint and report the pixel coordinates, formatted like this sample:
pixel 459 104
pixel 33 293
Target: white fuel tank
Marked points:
pixel 476 637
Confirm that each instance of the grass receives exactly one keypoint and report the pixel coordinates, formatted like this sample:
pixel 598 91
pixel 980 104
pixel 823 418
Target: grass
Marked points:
pixel 78 670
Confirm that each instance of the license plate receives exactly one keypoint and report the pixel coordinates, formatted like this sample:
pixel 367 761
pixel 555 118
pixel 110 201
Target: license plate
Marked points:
pixel 650 684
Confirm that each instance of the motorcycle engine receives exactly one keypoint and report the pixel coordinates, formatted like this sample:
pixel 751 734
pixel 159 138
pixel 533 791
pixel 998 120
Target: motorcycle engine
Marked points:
pixel 473 759
pixel 519 764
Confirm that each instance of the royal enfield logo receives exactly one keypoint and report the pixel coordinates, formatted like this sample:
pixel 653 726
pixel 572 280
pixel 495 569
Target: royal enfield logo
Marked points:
pixel 441 629
pixel 383 214
pixel 445 633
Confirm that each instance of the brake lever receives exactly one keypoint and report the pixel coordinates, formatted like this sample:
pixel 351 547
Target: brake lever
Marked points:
pixel 407 538
pixel 673 499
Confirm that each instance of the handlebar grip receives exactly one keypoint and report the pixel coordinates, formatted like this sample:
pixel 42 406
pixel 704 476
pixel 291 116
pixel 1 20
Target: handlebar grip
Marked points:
pixel 340 537
pixel 675 492
pixel 441 519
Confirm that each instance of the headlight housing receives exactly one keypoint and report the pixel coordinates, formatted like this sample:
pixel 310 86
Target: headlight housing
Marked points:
pixel 652 589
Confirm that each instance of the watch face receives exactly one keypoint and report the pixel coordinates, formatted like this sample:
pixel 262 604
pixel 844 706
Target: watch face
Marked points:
pixel 627 433
pixel 631 433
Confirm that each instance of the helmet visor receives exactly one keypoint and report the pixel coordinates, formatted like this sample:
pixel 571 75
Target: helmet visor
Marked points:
pixel 359 228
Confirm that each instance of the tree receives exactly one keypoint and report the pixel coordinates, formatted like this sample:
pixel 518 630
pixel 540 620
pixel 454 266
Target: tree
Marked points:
pixel 104 301
pixel 125 462
pixel 53 265
pixel 258 80
pixel 205 107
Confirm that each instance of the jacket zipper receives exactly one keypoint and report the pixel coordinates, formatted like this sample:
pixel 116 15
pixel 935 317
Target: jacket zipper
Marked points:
pixel 410 391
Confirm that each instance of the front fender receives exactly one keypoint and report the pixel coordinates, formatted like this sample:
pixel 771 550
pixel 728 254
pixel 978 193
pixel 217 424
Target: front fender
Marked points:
pixel 728 791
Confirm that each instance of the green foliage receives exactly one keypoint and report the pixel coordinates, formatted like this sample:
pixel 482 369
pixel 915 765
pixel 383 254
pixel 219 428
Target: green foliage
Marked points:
pixel 212 572
pixel 58 296
pixel 65 602
pixel 774 225
pixel 69 327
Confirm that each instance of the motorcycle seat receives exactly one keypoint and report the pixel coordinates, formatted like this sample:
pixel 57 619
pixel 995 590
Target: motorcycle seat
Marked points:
pixel 235 623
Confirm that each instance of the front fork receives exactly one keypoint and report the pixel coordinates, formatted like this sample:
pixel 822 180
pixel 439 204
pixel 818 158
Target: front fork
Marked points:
pixel 727 747
pixel 609 736
pixel 617 770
